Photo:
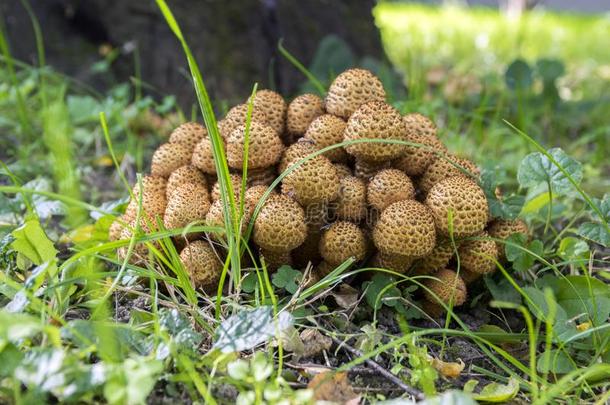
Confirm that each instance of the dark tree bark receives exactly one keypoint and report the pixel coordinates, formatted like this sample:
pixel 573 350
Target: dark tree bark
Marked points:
pixel 235 42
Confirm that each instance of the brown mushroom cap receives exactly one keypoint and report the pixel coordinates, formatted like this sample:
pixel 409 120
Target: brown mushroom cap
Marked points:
pixel 442 168
pixel 375 120
pixel 189 134
pixel 436 260
pixel 397 263
pixel 237 116
pixel 280 224
pixel 479 255
pixel 274 260
pixel 343 170
pixel 366 170
pixel 185 175
pixel 313 182
pixel 416 159
pixel 351 204
pixel 202 264
pixel 153 199
pixel 351 89
pixel 341 241
pixel 264 177
pixel 235 183
pixel 203 156
pixel 405 228
pixel 327 130
pixel 465 200
pixel 264 150
pixel 302 111
pixel 188 203
pixel 502 229
pixel 448 287
pixel 389 186
pixel 298 150
pixel 272 104
pixel 168 157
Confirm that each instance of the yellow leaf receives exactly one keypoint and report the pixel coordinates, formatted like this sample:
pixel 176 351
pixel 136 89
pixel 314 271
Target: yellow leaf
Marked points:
pixel 583 326
pixel 448 369
pixel 79 235
pixel 104 161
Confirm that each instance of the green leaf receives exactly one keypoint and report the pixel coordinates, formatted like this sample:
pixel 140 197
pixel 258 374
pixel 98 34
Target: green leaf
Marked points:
pixel 518 75
pixel 495 392
pixel 506 208
pixel 10 358
pixel 287 278
pixel 249 283
pixel 536 168
pixel 554 361
pixel 332 57
pixel 246 329
pixel 502 290
pixel 597 231
pixel 571 248
pixel 32 242
pixel 376 293
pixel 132 381
pixel 520 255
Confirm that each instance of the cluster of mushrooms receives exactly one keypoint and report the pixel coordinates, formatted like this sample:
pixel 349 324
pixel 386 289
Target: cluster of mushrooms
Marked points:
pixel 410 207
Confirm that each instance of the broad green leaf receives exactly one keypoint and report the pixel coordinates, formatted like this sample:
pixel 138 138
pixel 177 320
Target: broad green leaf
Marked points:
pixel 496 392
pixel 554 361
pixel 14 327
pixel 10 358
pixel 287 278
pixel 502 290
pixel 32 242
pixel 508 207
pixel 521 257
pixel 132 381
pixel 536 168
pixel 597 231
pixel 248 328
pixel 536 203
pixel 376 287
pixel 572 248
pixel 249 282
pixel 332 57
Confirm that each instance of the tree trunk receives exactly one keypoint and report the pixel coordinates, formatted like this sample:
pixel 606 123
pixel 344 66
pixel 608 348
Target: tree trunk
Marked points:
pixel 234 41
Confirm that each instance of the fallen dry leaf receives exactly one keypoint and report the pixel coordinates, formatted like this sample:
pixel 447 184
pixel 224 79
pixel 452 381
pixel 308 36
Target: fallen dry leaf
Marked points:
pixel 346 296
pixel 333 387
pixel 448 369
pixel 314 342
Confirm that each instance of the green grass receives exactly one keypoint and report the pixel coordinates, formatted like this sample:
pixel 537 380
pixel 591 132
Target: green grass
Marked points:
pixel 62 311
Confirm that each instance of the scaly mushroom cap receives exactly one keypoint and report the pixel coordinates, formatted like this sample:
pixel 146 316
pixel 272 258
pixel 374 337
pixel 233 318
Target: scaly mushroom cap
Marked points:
pixel 274 260
pixel 327 130
pixel 375 120
pixel 469 277
pixel 316 216
pixel 302 111
pixel 351 204
pixel 313 182
pixel 389 186
pixel 280 225
pixel 465 200
pixel 448 287
pixel 298 150
pixel 502 229
pixel 416 159
pixel 479 255
pixel 366 170
pixel 235 183
pixel 255 193
pixel 351 89
pixel 139 253
pixel 237 116
pixel 397 263
pixel 202 264
pixel 324 268
pixel 203 156
pixel 341 241
pixel 343 170
pixel 117 226
pixel 185 175
pixel 405 228
pixel 189 203
pixel 436 260
pixel 153 199
pixel 264 150
pixel 274 107
pixel 216 217
pixel 443 168
pixel 433 309
pixel 264 177
pixel 168 157
pixel 189 134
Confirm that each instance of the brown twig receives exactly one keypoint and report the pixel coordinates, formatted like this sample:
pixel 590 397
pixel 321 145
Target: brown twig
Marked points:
pixel 417 394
